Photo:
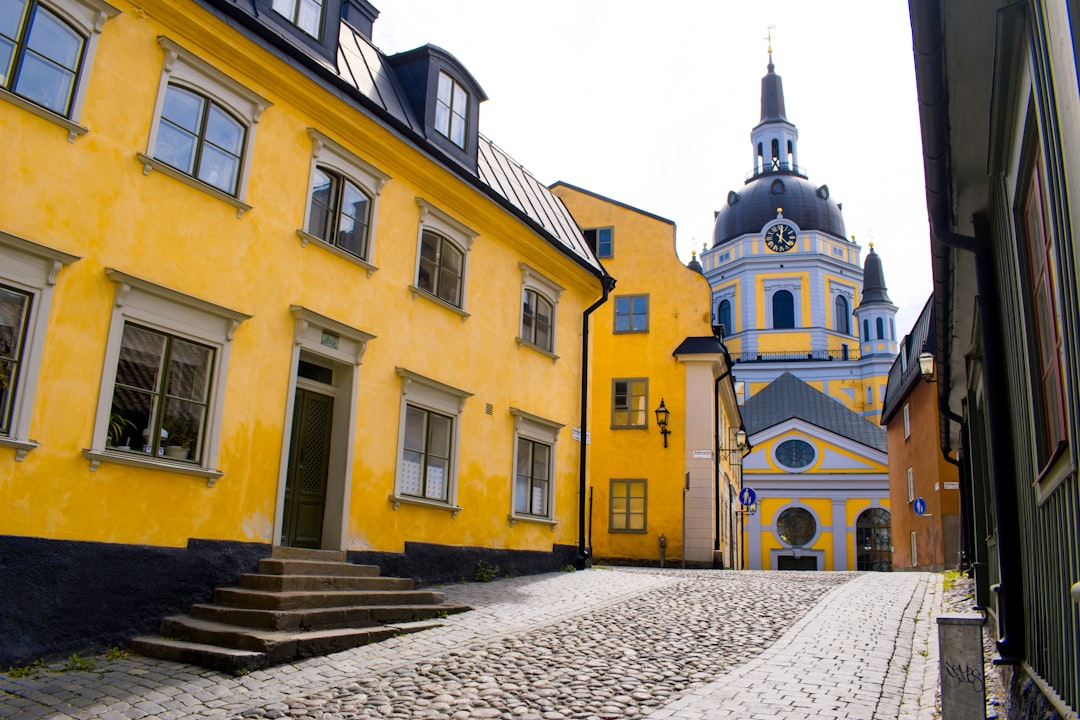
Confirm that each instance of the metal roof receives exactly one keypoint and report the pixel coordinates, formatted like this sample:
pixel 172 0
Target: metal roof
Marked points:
pixel 905 368
pixel 787 397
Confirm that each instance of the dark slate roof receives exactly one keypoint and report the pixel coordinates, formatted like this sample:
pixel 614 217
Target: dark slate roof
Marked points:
pixel 905 372
pixel 787 397
pixel 807 205
pixel 701 345
pixel 772 96
pixel 873 288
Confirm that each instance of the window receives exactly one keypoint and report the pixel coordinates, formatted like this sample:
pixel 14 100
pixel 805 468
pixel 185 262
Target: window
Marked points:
pixel 28 274
pixel 428 442
pixel 304 14
pixel 46 50
pixel 892 328
pixel 842 320
pixel 866 330
pixel 629 403
pixel 914 549
pixel 343 201
pixel 869 395
pixel 204 127
pixel 910 484
pixel 443 257
pixel 601 241
pixel 783 309
pixel 628 506
pixel 161 394
pixel 1045 355
pixel 723 317
pixel 907 422
pixel 539 299
pixel 534 451
pixel 631 313
pixel 452 110
pixel 880 329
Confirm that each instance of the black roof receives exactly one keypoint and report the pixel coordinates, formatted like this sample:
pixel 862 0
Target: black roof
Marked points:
pixel 873 289
pixel 810 207
pixel 905 372
pixel 787 397
pixel 699 345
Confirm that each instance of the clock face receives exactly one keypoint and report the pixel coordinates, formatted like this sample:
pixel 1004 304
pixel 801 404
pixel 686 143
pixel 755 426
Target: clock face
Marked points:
pixel 780 237
pixel 795 453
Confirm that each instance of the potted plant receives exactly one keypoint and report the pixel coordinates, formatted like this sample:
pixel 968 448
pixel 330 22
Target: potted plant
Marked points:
pixel 182 437
pixel 118 426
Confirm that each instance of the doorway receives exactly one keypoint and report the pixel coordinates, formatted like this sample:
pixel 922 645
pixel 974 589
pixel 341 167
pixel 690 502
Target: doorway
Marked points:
pixel 308 469
pixel 790 562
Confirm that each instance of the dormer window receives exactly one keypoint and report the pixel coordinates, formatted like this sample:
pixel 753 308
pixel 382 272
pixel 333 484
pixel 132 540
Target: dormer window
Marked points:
pixel 304 14
pixel 451 109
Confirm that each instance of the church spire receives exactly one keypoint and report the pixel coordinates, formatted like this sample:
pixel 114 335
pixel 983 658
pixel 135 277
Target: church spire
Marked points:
pixel 775 138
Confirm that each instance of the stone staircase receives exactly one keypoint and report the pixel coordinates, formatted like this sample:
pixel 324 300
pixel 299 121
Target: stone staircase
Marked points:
pixel 301 603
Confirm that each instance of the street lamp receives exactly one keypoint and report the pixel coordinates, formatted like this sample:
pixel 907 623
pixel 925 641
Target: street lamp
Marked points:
pixel 926 366
pixel 662 415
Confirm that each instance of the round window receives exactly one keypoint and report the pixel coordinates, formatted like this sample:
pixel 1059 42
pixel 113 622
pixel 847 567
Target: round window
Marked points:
pixel 796 526
pixel 796 454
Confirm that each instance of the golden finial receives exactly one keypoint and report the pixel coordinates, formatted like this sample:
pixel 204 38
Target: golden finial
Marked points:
pixel 871 244
pixel 769 37
pixel 693 255
pixel 779 212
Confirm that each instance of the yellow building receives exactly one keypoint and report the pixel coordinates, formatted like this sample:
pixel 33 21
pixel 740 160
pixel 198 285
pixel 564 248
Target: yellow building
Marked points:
pixel 262 285
pixel 656 492
pixel 799 312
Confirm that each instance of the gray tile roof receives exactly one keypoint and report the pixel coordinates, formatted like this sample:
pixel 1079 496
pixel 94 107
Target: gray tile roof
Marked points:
pixel 788 397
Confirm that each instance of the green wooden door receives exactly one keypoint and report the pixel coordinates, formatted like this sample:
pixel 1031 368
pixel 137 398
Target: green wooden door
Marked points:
pixel 309 462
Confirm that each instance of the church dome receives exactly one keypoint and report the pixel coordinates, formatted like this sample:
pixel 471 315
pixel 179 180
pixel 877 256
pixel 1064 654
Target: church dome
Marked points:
pixel 805 204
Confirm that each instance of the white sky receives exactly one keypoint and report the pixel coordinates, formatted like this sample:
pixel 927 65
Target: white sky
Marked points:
pixel 651 104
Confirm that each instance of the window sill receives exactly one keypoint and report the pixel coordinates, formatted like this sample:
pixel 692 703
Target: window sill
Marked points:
pixel 96 457
pixel 630 332
pixel 399 500
pixel 150 163
pixel 417 291
pixel 21 447
pixel 626 532
pixel 629 427
pixel 1057 470
pixel 514 519
pixel 523 342
pixel 74 129
pixel 306 238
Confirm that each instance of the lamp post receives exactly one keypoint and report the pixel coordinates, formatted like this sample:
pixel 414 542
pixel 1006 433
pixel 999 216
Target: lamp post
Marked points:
pixel 662 416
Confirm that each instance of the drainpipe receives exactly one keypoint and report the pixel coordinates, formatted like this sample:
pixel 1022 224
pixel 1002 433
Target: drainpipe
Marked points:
pixel 607 284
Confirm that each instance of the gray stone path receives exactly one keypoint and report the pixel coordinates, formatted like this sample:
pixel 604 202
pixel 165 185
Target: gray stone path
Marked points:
pixel 605 643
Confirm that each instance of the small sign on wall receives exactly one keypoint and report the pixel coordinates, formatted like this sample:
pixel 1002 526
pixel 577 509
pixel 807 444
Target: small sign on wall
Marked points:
pixel 952 485
pixel 703 454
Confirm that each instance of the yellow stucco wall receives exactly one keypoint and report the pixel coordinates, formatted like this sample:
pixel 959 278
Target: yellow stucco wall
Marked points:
pixel 99 205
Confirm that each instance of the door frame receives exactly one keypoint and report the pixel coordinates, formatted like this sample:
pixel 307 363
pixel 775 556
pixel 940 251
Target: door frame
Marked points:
pixel 339 347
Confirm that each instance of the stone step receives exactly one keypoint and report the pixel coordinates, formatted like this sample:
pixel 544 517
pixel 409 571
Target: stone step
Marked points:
pixel 323 618
pixel 323 583
pixel 287 566
pixel 279 646
pixel 214 657
pixel 291 553
pixel 258 599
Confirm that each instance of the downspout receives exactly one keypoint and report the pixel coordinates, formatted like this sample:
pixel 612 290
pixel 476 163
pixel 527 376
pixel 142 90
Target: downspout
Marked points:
pixel 716 464
pixel 607 284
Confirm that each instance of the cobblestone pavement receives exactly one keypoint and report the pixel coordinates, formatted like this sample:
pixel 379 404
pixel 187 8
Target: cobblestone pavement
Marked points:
pixel 605 643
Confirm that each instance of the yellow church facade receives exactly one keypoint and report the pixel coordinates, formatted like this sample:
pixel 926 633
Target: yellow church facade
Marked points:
pixel 251 297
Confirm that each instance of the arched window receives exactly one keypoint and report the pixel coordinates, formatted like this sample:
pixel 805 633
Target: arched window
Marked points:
pixel 892 329
pixel 200 138
pixel 880 329
pixel 783 309
pixel 760 158
pixel 842 323
pixel 339 212
pixel 866 330
pixel 723 316
pixel 873 540
pixel 775 154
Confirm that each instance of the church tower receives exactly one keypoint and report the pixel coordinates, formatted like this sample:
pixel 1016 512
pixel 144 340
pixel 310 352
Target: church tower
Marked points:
pixel 811 331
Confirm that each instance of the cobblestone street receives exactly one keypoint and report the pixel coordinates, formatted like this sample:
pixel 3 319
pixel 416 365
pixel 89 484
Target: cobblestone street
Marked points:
pixel 605 643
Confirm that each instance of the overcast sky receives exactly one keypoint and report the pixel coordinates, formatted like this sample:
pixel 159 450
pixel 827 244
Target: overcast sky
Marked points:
pixel 652 103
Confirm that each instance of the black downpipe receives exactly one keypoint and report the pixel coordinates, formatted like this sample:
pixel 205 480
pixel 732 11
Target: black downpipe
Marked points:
pixel 716 459
pixel 607 284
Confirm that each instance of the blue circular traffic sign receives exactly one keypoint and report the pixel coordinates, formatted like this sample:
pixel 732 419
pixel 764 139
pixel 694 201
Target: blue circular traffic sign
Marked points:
pixel 919 506
pixel 747 496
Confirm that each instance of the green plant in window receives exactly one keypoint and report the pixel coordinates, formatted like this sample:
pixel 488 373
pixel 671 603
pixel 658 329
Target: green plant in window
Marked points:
pixel 118 425
pixel 183 432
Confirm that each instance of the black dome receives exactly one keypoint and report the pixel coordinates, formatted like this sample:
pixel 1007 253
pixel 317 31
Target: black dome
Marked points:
pixel 805 204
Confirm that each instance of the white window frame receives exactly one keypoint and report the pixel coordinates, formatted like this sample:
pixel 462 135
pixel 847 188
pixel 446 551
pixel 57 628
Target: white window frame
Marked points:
pixel 168 311
pixel 910 484
pixel 457 233
pixel 30 268
pixel 543 431
pixel 448 132
pixel 88 18
pixel 327 153
pixel 907 422
pixel 184 69
pixel 914 549
pixel 434 396
pixel 532 279
pixel 772 287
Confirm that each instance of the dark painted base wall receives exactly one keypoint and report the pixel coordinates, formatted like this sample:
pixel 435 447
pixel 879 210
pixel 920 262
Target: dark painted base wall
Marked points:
pixel 58 596
pixel 1025 700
